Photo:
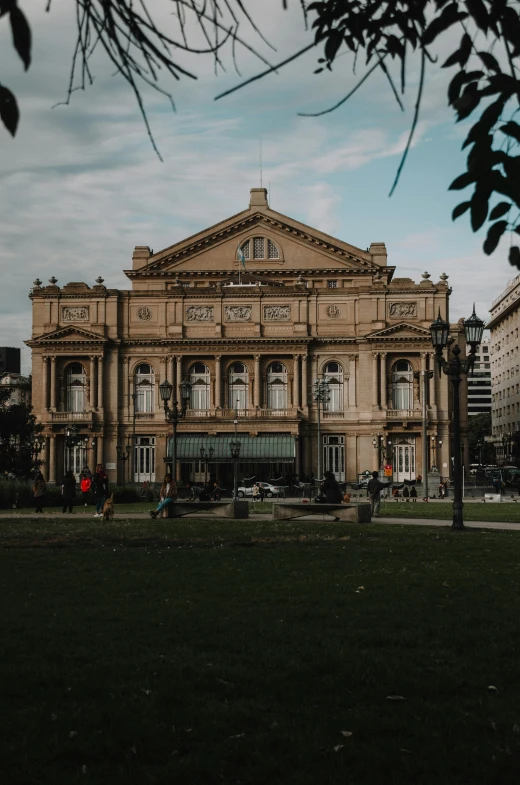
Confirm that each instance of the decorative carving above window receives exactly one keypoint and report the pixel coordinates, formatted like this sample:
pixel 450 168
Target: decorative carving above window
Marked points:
pixel 238 313
pixel 277 313
pixel 398 310
pixel 199 313
pixel 144 313
pixel 75 313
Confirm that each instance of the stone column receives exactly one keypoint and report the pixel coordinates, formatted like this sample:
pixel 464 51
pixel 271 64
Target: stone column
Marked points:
pixel 99 450
pixel 256 391
pixel 45 383
pixel 433 400
pixel 218 381
pixel 52 404
pixel 382 370
pixel 92 400
pixel 352 380
pixel 100 383
pixel 178 379
pixel 126 391
pixel 296 382
pixel 305 382
pixel 52 459
pixel 375 381
pixel 423 361
pixel 172 370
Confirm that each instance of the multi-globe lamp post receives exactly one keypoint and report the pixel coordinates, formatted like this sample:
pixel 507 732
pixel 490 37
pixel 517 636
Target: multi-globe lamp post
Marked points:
pixel 173 414
pixel 453 367
pixel 321 394
pixel 234 447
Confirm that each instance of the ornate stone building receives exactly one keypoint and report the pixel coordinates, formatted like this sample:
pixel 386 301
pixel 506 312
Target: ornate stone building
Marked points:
pixel 251 312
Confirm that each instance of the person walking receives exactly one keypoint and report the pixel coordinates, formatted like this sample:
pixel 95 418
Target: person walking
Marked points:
pixel 413 493
pixel 216 492
pixel 68 491
pixel 39 491
pixel 100 487
pixel 256 493
pixel 167 495
pixel 374 488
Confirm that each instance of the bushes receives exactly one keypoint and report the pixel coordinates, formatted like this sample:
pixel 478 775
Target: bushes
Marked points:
pixel 17 494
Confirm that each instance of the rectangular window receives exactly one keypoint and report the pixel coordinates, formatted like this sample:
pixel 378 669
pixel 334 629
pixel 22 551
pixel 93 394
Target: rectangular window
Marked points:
pixel 332 284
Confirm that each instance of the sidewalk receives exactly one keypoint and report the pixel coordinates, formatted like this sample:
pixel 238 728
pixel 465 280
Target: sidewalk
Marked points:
pixel 258 516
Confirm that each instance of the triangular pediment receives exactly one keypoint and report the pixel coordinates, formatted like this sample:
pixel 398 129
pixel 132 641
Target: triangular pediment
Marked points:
pixel 215 249
pixel 67 335
pixel 400 331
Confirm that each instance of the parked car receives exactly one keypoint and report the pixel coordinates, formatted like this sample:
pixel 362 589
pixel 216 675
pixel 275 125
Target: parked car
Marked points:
pixel 269 490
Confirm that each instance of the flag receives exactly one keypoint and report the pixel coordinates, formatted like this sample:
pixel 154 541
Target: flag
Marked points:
pixel 241 257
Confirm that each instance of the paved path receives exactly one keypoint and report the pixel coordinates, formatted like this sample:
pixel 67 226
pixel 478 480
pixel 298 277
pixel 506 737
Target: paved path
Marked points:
pixel 258 516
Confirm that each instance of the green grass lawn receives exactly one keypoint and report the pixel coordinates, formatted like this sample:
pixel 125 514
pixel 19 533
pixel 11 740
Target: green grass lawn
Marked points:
pixel 253 652
pixel 473 511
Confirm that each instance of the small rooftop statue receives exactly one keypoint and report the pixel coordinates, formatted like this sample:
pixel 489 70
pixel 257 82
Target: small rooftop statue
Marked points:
pixel 99 280
pixel 53 280
pixel 426 275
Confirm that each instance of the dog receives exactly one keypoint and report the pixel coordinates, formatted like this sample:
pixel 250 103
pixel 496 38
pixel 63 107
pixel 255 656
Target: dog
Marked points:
pixel 108 509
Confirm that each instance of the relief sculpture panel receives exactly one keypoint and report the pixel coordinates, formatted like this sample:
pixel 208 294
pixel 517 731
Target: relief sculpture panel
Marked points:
pixel 75 313
pixel 277 313
pixel 199 313
pixel 398 310
pixel 238 313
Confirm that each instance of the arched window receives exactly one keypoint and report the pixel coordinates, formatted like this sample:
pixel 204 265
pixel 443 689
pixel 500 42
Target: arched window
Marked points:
pixel 144 387
pixel 238 386
pixel 402 385
pixel 333 375
pixel 260 248
pixel 76 386
pixel 277 386
pixel 199 378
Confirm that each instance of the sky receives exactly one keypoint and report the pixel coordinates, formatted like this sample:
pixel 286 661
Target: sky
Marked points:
pixel 80 184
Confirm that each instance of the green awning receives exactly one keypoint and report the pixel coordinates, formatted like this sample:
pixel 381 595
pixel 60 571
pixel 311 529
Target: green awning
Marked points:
pixel 279 448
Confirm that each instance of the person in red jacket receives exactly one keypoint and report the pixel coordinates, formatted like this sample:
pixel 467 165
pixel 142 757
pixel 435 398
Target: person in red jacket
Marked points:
pixel 85 485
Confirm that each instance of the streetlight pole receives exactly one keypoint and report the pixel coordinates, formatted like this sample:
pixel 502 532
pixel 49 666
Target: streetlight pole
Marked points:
pixel 174 414
pixel 321 394
pixel 235 453
pixel 425 376
pixel 204 456
pixel 123 458
pixel 37 446
pixel 132 462
pixel 453 368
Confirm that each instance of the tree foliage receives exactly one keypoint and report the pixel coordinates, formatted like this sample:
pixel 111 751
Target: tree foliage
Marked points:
pixel 479 426
pixel 396 37
pixel 18 428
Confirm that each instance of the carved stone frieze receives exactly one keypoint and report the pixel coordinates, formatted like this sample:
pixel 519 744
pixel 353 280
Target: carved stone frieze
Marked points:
pixel 398 310
pixel 277 313
pixel 238 313
pixel 199 313
pixel 75 313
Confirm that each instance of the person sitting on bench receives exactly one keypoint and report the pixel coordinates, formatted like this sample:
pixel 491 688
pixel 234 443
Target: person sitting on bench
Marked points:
pixel 167 495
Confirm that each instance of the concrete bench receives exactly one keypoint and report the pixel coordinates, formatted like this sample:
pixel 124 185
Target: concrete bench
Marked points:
pixel 357 513
pixel 492 497
pixel 227 509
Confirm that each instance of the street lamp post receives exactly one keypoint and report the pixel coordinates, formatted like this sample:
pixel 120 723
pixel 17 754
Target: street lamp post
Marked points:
pixel 37 446
pixel 123 458
pixel 378 442
pixel 425 376
pixel 206 455
pixel 173 414
pixel 132 462
pixel 453 368
pixel 234 446
pixel 321 394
